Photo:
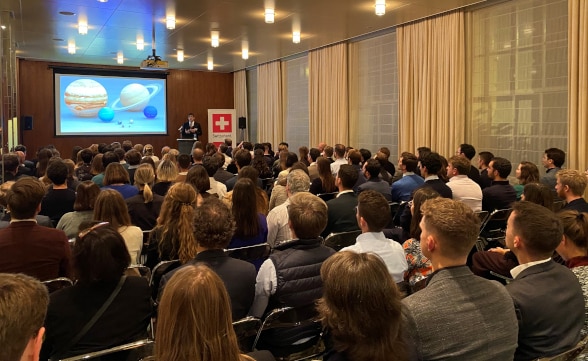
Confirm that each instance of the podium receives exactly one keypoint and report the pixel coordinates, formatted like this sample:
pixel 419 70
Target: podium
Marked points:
pixel 185 146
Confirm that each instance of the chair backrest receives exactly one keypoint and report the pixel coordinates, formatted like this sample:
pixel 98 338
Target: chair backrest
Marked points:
pixel 159 270
pixel 139 270
pixel 137 345
pixel 569 355
pixel 250 253
pixel 393 209
pixel 57 283
pixel 327 196
pixel 483 215
pixel 245 329
pixel 340 240
pixel 496 220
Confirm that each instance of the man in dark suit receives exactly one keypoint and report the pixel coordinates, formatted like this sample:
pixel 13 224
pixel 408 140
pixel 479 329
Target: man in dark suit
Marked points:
pixel 548 297
pixel 484 159
pixel 500 195
pixel 25 246
pixel 213 234
pixel 458 316
pixel 570 186
pixel 191 129
pixel 430 166
pixel 341 210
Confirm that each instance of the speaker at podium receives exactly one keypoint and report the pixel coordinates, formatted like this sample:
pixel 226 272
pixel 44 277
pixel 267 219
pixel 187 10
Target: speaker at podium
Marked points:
pixel 185 146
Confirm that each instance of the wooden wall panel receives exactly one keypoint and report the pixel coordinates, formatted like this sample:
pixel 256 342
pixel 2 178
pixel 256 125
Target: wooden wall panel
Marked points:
pixel 187 91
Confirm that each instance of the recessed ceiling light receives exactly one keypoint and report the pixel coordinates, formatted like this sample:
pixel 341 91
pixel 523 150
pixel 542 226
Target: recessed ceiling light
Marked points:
pixel 102 1
pixel 180 55
pixel 210 64
pixel 214 38
pixel 71 47
pixel 119 58
pixel 67 13
pixel 269 15
pixel 83 28
pixel 170 22
pixel 296 37
pixel 3 27
pixel 380 7
pixel 140 44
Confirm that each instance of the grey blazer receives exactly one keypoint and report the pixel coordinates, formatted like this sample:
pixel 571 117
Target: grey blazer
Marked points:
pixel 460 316
pixel 550 307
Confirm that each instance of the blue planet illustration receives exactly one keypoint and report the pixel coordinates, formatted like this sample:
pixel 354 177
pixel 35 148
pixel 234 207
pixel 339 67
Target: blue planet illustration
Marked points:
pixel 106 114
pixel 134 97
pixel 150 112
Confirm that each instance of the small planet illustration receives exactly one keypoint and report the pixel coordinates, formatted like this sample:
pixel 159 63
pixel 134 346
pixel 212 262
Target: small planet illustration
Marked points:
pixel 150 111
pixel 106 114
pixel 134 97
pixel 85 97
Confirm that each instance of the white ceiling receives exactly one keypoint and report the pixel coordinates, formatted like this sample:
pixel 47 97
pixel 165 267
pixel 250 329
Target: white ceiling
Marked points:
pixel 40 32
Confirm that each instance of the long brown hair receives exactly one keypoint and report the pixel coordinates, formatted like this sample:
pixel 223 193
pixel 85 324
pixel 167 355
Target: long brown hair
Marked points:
pixel 175 224
pixel 529 173
pixel 361 307
pixel 194 319
pixel 419 197
pixel 111 207
pixel 244 208
pixel 324 170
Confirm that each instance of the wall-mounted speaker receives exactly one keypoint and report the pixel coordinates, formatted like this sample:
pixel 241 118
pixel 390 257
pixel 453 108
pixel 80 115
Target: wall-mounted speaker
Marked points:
pixel 242 123
pixel 27 122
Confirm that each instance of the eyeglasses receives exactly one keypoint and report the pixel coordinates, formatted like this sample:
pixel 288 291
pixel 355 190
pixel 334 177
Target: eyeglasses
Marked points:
pixel 85 232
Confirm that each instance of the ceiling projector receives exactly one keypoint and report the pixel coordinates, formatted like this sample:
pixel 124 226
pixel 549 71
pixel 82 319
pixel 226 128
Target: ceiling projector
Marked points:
pixel 154 62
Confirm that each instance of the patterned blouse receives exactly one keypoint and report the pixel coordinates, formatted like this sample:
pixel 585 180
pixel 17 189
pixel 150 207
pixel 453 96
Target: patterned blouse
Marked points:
pixel 582 273
pixel 419 266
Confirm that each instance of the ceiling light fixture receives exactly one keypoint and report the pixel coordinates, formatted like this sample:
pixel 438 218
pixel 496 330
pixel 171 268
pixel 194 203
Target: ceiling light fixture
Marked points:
pixel 210 64
pixel 380 7
pixel 214 38
pixel 296 37
pixel 71 47
pixel 269 15
pixel 180 55
pixel 140 44
pixel 83 28
pixel 3 27
pixel 102 1
pixel 245 49
pixel 170 22
pixel 119 58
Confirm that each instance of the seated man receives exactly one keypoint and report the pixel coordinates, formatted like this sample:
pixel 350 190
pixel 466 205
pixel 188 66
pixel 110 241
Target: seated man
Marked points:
pixel 548 297
pixel 372 170
pixel 553 160
pixel 402 189
pixel 341 210
pixel 291 275
pixel 23 305
pixel 462 187
pixel 500 195
pixel 373 214
pixel 570 186
pixel 25 246
pixel 59 199
pixel 458 316
pixel 213 234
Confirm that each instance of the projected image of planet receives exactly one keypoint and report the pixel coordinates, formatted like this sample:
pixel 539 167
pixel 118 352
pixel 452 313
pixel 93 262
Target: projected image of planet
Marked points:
pixel 135 97
pixel 85 97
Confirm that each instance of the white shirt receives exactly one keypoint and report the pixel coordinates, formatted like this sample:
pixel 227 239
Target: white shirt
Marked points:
pixel 278 230
pixel 266 285
pixel 466 190
pixel 520 268
pixel 133 237
pixel 391 252
pixel 217 187
pixel 336 165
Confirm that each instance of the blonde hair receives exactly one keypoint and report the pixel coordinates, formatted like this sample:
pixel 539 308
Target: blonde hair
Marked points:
pixel 573 179
pixel 167 171
pixel 175 224
pixel 144 177
pixel 194 319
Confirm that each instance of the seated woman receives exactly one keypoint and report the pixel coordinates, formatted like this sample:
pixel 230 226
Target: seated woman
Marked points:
pixel 251 225
pixel 100 259
pixel 325 183
pixel 86 195
pixel 526 173
pixel 167 172
pixel 194 320
pixel 144 207
pixel 360 309
pixel 111 207
pixel 116 178
pixel 574 250
pixel 419 266
pixel 261 199
pixel 198 178
pixel 173 236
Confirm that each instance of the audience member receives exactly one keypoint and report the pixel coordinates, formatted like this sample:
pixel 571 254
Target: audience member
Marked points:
pixel 107 158
pixel 458 316
pixel 148 153
pixel 373 215
pixel 468 151
pixel 5 220
pixel 361 309
pixel 277 219
pixel 570 186
pixel 403 188
pixel 59 198
pixel 111 207
pixel 213 234
pixel 383 156
pixel 553 159
pixel 526 173
pixel 83 206
pixel 372 170
pixel 116 178
pixel 463 188
pixel 222 175
pixel 430 167
pixel 552 325
pixel 484 159
pixel 23 306
pixel 279 194
pixel 500 195
pixel 166 174
pixel 354 159
pixel 134 160
pixel 183 163
pixel 100 261
pixel 211 165
pixel 25 246
pixel 341 210
pixel 198 178
pixel 538 193
pixel 250 224
pixel 325 182
pixel 313 155
pixel 145 206
pixel 339 159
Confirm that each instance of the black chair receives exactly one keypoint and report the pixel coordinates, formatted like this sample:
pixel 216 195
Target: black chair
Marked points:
pixel 57 283
pixel 283 330
pixel 340 240
pixel 139 270
pixel 246 329
pixel 159 270
pixel 250 253
pixel 133 350
pixel 393 209
pixel 327 196
pixel 492 231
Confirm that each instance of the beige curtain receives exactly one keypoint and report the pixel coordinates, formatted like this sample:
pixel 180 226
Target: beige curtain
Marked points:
pixel 270 117
pixel 240 92
pixel 577 157
pixel 328 95
pixel 353 99
pixel 431 70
